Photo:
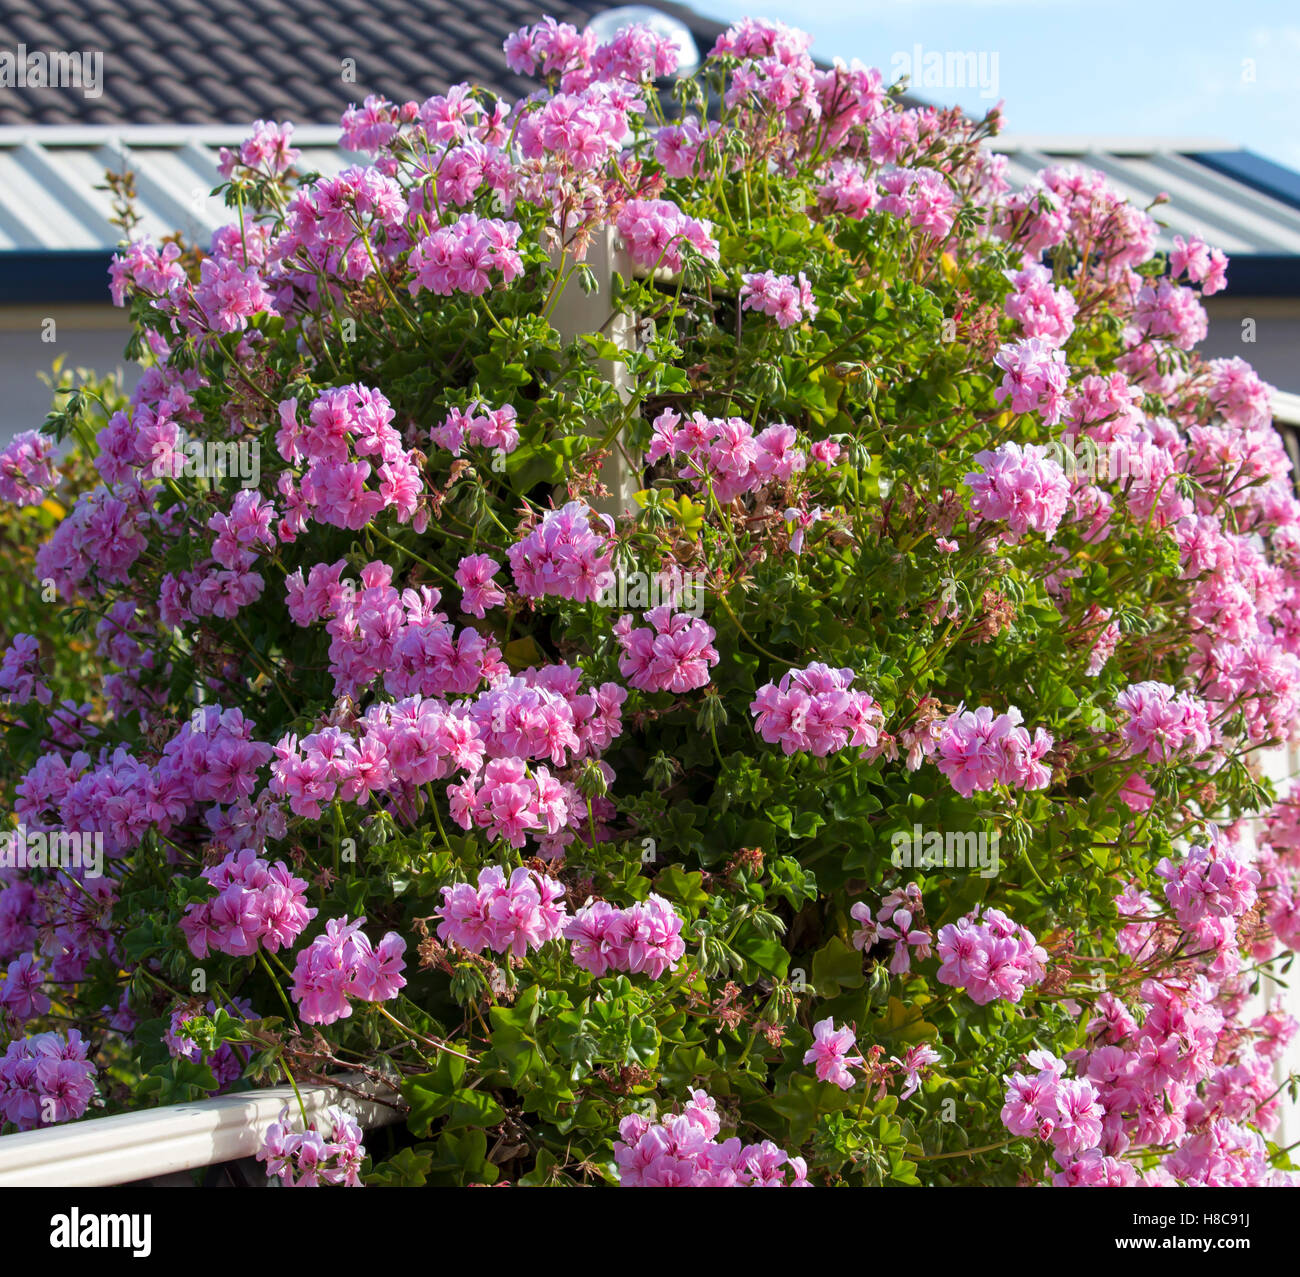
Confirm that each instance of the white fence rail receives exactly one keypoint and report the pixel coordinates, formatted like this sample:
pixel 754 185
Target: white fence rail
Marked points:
pixel 178 1137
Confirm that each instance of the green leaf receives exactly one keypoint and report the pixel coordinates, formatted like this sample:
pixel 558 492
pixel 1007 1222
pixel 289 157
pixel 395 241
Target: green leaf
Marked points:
pixel 836 966
pixel 407 1168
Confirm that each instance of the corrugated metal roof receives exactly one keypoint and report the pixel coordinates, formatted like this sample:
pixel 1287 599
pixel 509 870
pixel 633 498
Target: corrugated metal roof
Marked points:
pixel 48 176
pixel 1231 198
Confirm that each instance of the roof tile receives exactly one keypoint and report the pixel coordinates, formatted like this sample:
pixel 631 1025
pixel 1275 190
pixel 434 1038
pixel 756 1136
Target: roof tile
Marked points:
pixel 225 61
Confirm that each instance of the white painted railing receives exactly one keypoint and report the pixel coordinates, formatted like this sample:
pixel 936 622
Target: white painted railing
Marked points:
pixel 177 1137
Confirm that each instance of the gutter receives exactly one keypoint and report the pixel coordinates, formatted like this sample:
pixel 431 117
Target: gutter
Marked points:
pixel 51 275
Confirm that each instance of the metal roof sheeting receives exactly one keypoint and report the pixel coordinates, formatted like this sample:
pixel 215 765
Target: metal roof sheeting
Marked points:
pixel 1232 199
pixel 51 212
pixel 48 177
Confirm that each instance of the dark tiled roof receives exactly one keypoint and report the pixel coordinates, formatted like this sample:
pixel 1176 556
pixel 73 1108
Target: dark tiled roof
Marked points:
pixel 232 61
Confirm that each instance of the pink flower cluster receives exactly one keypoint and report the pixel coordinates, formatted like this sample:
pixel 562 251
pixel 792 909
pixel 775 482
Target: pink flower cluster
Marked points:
pixel 990 957
pixel 544 713
pixel 1163 723
pixel 229 295
pixel 267 148
pixel 548 48
pixel 474 575
pixel 678 146
pixel 900 919
pixel 978 749
pixel 1101 636
pixel 22 996
pixel 922 196
pixel 682 1151
pixel 257 905
pixel 724 454
pixel 830 1054
pixel 69 918
pixel 523 912
pixel 1174 1075
pixel 1169 312
pixel 377 631
pixel 512 803
pixel 1200 263
pixel 635 54
pixel 644 939
pixel 462 257
pixel 27 471
pixel 213 758
pixel 21 680
pixel 348 226
pixel 479 426
pixel 99 540
pixel 674 653
pixel 1105 408
pixel 562 556
pixel 463 171
pixel 655 232
pixel 243 530
pixel 1211 880
pixel 398 747
pixel 1035 378
pixel 45 1079
pixel 1239 394
pixel 506 915
pixel 576 133
pixel 538 719
pixel 209 590
pixel 916 1063
pixel 785 299
pixel 1069 1114
pixel 1023 487
pixel 848 189
pixel 343 964
pixel 348 440
pixel 815 710
pixel 146 268
pixel 306 1159
pixel 1069 203
pixel 1040 309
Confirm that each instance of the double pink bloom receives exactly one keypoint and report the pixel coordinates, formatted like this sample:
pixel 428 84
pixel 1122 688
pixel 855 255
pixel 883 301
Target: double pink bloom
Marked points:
pixel 816 710
pixel 343 964
pixel 978 749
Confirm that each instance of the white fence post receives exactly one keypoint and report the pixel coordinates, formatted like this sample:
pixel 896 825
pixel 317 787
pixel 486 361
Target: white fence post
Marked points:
pixel 576 313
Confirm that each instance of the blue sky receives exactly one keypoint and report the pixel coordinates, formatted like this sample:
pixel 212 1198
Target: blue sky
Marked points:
pixel 1102 68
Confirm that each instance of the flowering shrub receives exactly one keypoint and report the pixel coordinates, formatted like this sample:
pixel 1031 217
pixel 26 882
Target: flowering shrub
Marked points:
pixel 36 656
pixel 865 793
